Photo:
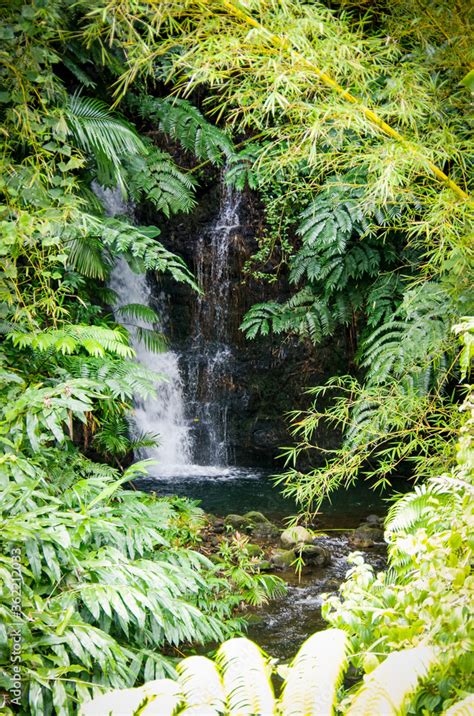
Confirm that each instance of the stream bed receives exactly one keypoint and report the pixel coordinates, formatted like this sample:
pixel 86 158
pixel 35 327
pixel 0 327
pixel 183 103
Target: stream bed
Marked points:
pixel 281 626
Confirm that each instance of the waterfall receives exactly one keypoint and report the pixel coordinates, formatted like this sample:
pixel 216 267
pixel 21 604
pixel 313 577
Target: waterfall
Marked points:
pixel 210 359
pixel 208 362
pixel 163 414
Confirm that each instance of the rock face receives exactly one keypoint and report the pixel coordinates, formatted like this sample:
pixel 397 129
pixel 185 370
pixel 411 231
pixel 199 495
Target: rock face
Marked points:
pixel 245 386
pixel 295 535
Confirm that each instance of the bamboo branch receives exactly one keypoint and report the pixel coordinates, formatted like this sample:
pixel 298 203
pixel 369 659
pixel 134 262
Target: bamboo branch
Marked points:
pixel 283 43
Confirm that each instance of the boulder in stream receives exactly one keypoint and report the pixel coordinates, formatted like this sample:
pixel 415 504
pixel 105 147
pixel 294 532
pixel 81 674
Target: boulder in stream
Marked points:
pixel 366 535
pixel 265 531
pixel 253 550
pixel 282 558
pixel 315 556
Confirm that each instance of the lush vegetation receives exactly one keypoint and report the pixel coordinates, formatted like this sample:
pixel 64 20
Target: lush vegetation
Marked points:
pixel 351 124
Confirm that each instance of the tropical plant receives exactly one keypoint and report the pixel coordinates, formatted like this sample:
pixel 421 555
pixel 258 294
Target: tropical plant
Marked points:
pixel 239 683
pixel 426 591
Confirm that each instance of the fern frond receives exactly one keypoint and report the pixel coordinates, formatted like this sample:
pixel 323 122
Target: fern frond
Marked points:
pixel 385 693
pixel 138 311
pixel 86 255
pixel 201 686
pixel 246 685
pixel 95 340
pixel 182 121
pixel 461 708
pixel 314 676
pixel 138 244
pixel 156 178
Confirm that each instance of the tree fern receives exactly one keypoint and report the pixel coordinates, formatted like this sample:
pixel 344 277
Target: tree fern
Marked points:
pixel 239 683
pixel 201 687
pixel 245 679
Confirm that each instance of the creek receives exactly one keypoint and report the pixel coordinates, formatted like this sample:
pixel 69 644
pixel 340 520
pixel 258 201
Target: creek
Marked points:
pixel 194 406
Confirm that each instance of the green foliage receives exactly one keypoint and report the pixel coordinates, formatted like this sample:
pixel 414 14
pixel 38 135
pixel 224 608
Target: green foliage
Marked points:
pixel 426 591
pixel 239 682
pixel 156 178
pixel 182 121
pixel 108 139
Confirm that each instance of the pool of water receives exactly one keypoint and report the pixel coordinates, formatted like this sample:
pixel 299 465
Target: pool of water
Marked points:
pixel 239 490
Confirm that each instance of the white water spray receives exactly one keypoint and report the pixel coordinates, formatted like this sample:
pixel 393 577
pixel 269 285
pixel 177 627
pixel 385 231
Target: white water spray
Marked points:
pixel 164 414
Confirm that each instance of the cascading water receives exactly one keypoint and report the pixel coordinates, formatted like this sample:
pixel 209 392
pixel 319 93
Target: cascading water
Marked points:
pixel 164 414
pixel 210 361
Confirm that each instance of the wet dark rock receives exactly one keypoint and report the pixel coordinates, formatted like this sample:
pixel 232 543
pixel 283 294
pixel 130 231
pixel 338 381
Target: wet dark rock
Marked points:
pixel 296 535
pixel 282 558
pixel 314 555
pixel 332 584
pixel 265 531
pixel 262 379
pixel 374 520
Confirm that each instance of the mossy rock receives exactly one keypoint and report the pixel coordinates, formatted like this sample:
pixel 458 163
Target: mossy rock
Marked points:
pixel 253 550
pixel 296 535
pixel 238 522
pixel 265 565
pixel 256 517
pixel 282 558
pixel 265 531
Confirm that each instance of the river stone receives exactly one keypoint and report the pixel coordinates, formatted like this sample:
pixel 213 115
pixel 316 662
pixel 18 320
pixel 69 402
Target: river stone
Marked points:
pixel 282 558
pixel 374 520
pixel 238 522
pixel 265 531
pixel 315 555
pixel 256 517
pixel 295 535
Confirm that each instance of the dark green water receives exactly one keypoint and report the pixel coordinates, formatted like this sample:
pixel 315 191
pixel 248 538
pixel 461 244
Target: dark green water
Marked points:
pixel 238 490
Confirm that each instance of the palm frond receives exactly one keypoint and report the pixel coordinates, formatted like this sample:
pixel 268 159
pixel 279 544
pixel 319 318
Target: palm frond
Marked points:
pixel 107 138
pixel 314 676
